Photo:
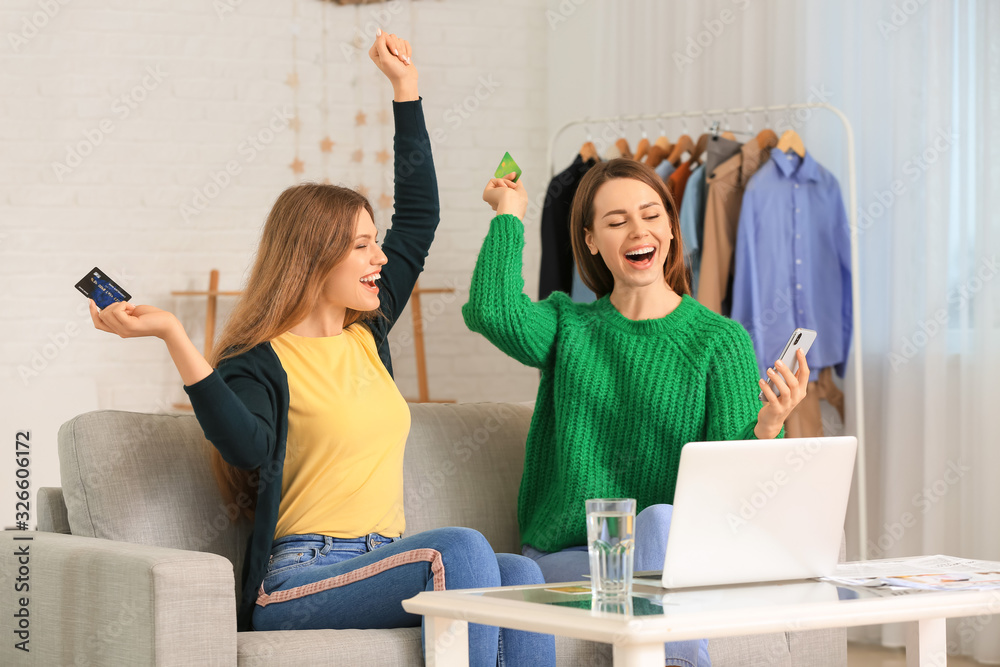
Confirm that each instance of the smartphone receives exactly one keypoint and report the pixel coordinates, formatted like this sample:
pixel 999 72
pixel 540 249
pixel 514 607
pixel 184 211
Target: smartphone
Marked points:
pixel 801 339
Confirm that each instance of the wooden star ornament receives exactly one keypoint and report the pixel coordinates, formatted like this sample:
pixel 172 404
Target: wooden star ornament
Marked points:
pixel 297 166
pixel 358 155
pixel 326 145
pixel 292 81
pixel 385 201
pixel 360 118
pixel 382 156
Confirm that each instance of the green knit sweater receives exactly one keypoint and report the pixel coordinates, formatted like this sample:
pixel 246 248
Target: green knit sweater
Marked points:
pixel 618 398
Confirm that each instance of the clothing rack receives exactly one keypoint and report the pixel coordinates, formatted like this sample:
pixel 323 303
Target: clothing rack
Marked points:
pixel 852 214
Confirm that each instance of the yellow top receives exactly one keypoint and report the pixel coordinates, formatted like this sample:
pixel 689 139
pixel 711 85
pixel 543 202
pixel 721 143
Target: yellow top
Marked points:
pixel 347 427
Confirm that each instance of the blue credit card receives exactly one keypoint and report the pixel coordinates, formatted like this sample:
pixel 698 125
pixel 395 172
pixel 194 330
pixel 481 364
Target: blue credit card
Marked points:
pixel 103 290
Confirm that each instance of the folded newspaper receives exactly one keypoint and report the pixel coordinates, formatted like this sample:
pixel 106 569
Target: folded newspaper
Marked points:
pixel 938 573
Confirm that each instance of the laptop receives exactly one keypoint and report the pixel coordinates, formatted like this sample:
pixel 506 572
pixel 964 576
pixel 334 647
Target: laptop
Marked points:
pixel 749 511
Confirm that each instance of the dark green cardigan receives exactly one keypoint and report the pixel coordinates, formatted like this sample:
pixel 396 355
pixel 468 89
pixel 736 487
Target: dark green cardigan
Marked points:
pixel 243 405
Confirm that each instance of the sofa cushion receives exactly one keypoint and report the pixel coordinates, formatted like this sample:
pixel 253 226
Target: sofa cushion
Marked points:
pixel 51 510
pixel 463 468
pixel 388 648
pixel 145 478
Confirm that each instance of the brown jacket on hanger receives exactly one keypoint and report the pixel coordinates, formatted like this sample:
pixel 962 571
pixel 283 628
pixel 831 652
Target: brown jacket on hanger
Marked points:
pixel 726 184
pixel 806 420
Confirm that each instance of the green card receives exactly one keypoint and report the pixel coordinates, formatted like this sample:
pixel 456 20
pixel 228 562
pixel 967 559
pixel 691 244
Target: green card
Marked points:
pixel 507 165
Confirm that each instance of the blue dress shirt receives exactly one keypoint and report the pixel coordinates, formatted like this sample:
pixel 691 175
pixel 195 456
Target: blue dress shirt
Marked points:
pixel 664 169
pixel 692 220
pixel 793 262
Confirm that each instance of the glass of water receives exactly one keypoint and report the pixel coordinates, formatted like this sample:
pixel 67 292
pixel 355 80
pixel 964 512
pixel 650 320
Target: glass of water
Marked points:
pixel 611 545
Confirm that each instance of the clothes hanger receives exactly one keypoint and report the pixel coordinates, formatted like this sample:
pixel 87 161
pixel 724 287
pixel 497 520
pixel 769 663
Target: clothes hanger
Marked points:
pixel 699 147
pixel 588 151
pixel 662 140
pixel 622 143
pixel 683 145
pixel 791 141
pixel 727 134
pixel 702 143
pixel 655 156
pixel 661 149
pixel 643 146
pixel 766 137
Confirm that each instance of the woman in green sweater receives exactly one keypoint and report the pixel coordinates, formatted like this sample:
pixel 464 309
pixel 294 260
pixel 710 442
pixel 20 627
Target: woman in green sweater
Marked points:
pixel 627 380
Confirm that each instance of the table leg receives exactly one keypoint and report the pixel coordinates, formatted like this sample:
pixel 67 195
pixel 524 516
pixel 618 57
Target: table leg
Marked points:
pixel 446 642
pixel 638 655
pixel 926 643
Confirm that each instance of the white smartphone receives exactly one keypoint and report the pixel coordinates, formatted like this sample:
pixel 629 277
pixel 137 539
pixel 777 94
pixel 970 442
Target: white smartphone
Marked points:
pixel 800 339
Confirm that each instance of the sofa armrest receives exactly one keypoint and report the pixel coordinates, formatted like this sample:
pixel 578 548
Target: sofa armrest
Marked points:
pixel 51 508
pixel 97 602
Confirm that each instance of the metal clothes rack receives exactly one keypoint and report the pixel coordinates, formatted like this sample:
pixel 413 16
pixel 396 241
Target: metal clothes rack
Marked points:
pixel 855 280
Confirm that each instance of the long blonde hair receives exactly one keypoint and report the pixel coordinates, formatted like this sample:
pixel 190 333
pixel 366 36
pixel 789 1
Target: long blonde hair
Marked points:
pixel 310 229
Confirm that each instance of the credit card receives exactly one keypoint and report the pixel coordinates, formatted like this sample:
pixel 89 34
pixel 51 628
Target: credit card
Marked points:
pixel 507 165
pixel 103 290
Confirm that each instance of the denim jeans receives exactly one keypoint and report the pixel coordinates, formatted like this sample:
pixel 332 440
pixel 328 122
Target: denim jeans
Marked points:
pixel 651 528
pixel 315 581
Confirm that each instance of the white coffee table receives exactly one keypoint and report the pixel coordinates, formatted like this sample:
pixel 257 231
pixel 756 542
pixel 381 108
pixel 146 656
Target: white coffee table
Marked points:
pixel 657 616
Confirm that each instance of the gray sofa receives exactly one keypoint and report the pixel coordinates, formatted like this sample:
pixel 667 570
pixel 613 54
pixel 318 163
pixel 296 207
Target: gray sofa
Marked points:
pixel 134 560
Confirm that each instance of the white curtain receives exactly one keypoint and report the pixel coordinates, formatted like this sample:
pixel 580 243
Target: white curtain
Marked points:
pixel 920 82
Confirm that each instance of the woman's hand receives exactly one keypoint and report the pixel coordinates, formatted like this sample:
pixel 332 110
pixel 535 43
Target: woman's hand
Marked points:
pixel 131 321
pixel 792 388
pixel 506 197
pixel 391 54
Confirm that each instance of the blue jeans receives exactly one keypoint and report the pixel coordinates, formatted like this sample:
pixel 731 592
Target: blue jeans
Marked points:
pixel 651 528
pixel 315 581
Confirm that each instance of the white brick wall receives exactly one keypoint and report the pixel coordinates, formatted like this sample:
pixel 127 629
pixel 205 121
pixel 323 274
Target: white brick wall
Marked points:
pixel 219 80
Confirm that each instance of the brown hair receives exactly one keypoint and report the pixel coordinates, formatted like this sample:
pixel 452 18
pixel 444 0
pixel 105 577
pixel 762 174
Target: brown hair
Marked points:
pixel 310 229
pixel 593 270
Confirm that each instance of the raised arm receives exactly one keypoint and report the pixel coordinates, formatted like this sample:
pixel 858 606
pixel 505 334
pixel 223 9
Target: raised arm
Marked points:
pixel 498 308
pixel 417 209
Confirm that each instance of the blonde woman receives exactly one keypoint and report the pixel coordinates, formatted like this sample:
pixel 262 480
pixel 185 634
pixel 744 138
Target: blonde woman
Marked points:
pixel 299 402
